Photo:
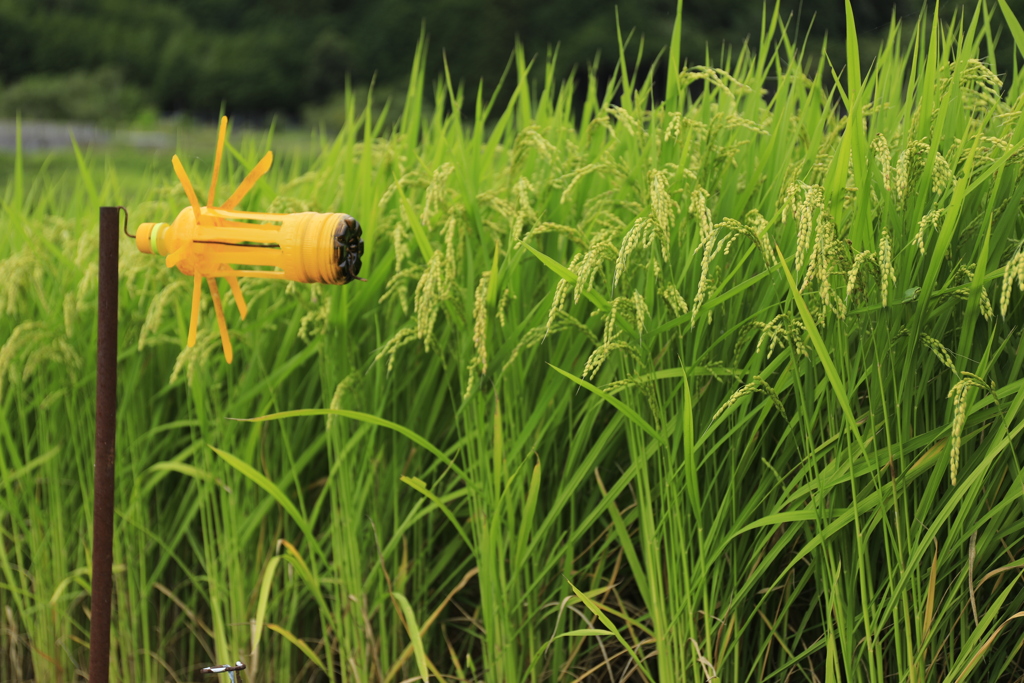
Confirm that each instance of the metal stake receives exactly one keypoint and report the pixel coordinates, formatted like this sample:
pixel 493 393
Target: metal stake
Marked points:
pixel 103 480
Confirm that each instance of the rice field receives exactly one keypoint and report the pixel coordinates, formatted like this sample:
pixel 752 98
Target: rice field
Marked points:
pixel 714 379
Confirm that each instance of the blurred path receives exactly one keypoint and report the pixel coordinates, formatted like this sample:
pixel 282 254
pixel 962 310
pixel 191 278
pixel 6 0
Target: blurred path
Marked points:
pixel 44 135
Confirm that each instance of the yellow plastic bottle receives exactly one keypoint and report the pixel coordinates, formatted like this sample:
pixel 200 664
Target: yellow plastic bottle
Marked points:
pixel 210 242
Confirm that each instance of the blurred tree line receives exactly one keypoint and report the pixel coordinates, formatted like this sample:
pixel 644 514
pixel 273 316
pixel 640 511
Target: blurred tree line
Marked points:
pixel 281 56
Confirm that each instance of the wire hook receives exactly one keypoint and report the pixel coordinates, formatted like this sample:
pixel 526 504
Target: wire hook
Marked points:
pixel 120 209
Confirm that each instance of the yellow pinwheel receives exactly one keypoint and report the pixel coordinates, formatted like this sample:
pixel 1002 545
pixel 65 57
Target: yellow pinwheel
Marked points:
pixel 211 241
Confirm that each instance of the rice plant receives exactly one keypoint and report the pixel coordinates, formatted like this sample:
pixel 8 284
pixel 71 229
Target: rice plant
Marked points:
pixel 715 381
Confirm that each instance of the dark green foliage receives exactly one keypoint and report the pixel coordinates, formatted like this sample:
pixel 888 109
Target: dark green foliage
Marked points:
pixel 275 56
pixel 100 95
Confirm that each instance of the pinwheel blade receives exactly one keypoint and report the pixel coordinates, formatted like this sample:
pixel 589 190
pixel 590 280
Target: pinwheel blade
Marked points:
pixel 177 256
pixel 221 134
pixel 179 171
pixel 193 324
pixel 236 292
pixel 250 180
pixel 222 324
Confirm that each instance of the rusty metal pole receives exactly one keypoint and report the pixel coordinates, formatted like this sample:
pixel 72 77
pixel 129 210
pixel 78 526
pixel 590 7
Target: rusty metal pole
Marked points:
pixel 103 477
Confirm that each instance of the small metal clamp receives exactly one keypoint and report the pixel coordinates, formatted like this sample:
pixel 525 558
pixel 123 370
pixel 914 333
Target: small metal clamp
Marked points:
pixel 224 668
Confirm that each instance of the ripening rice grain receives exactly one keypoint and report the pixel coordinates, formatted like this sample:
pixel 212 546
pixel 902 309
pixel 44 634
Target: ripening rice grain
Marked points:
pixel 629 244
pixel 942 174
pixel 757 385
pixel 780 330
pixel 600 355
pixel 314 323
pixel 20 270
pixel 285 204
pixel 85 293
pixel 965 275
pixel 398 286
pixel 453 246
pixel 575 177
pixel 524 215
pixel 531 338
pixel 191 359
pixel 985 304
pixel 758 226
pixel 930 220
pixel 880 146
pixel 642 312
pixel 428 297
pixel 55 350
pixel 532 138
pixel 410 179
pixel 736 121
pixel 1014 271
pixel 773 330
pixel 341 390
pixel 703 284
pixel 980 88
pixel 506 296
pixel 497 202
pixel 720 78
pixel 699 208
pixel 674 127
pixel 908 169
pixel 401 338
pixel 663 208
pixel 940 351
pixel 959 395
pixel 888 273
pixel 620 307
pixel 400 242
pixel 814 201
pixel 480 320
pixel 562 292
pixel 69 314
pixel 586 270
pixel 627 121
pixel 789 201
pixel 853 276
pixel 436 191
pixel 558 321
pixel 572 232
pixel 674 299
pixel 24 336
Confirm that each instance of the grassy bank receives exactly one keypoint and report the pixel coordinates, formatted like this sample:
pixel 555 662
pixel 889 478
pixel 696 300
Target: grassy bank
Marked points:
pixel 726 385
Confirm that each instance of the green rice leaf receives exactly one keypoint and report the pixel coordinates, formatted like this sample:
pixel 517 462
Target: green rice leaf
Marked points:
pixel 412 627
pixel 630 414
pixel 585 632
pixel 567 275
pixel 368 419
pixel 297 642
pixel 1015 28
pixel 603 618
pixel 261 603
pixel 250 473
